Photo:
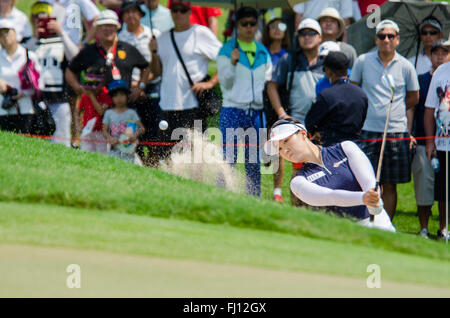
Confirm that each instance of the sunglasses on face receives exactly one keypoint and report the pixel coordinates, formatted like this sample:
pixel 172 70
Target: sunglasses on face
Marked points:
pixel 248 23
pixel 430 32
pixel 390 36
pixel 281 26
pixel 307 33
pixel 180 10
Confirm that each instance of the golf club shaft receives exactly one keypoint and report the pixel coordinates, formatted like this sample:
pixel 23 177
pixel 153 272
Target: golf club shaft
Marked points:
pixel 383 144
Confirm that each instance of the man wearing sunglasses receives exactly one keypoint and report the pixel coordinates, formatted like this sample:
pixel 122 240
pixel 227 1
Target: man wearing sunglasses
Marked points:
pixel 197 46
pixel 296 76
pixel 368 70
pixel 244 66
pixel 430 31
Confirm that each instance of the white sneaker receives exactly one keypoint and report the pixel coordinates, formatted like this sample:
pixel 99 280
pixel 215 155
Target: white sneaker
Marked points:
pixel 424 233
pixel 442 234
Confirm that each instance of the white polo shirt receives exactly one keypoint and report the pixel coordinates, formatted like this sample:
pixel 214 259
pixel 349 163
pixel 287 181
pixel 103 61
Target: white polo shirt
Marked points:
pixel 9 72
pixel 141 42
pixel 21 24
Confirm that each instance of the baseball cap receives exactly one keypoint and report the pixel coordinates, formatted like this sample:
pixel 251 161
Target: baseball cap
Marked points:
pixel 179 2
pixel 41 7
pixel 310 24
pixel 336 61
pixel 281 129
pixel 387 24
pixel 431 21
pixel 7 24
pixel 447 43
pixel 127 4
pixel 333 13
pixel 327 47
pixel 107 17
pixel 118 85
pixel 441 44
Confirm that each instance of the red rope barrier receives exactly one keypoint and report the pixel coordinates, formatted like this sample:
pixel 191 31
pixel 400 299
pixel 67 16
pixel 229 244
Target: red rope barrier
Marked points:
pixel 158 143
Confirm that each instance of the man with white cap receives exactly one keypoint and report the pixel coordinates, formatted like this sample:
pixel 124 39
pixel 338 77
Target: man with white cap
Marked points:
pixel 369 70
pixel 430 31
pixel 109 57
pixel 296 76
pixel 339 178
pixel 333 28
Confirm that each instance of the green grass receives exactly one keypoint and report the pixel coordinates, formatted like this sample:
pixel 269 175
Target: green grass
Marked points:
pixel 40 224
pixel 36 171
pixel 406 219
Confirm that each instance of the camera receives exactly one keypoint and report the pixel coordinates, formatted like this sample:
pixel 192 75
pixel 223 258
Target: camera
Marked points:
pixel 8 101
pixel 45 33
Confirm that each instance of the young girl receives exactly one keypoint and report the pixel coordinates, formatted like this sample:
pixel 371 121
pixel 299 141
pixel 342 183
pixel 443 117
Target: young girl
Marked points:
pixel 121 125
pixel 339 178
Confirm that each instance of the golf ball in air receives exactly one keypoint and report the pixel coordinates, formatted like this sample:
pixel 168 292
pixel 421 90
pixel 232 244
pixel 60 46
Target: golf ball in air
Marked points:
pixel 163 125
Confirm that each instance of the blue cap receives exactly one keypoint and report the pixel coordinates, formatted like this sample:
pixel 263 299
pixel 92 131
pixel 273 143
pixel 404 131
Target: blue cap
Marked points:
pixel 118 85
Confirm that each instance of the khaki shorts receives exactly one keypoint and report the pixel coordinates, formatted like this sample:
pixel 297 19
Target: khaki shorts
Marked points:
pixel 423 175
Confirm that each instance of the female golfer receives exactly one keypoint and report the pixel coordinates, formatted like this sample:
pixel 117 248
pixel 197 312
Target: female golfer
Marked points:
pixel 339 177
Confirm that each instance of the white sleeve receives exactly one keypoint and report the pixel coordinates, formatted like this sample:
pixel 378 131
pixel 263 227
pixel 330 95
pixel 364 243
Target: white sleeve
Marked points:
pixel 88 9
pixel 360 165
pixel 316 195
pixel 70 49
pixel 208 44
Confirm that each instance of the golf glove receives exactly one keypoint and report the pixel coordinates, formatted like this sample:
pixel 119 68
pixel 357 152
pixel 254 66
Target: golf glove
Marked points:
pixel 378 209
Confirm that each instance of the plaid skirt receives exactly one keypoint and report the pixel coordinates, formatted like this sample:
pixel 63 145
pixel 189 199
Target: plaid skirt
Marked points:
pixel 396 165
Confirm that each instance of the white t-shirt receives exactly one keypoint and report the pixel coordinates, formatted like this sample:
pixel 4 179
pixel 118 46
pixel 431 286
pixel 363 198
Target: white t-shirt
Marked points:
pixel 198 46
pixel 313 8
pixel 141 42
pixel 424 64
pixel 21 23
pixel 439 98
pixel 70 13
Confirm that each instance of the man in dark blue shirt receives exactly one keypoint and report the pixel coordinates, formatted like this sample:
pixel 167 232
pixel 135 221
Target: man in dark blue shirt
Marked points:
pixel 339 111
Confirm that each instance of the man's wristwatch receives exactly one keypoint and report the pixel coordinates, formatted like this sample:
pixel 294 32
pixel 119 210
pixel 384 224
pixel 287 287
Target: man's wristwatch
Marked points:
pixel 142 85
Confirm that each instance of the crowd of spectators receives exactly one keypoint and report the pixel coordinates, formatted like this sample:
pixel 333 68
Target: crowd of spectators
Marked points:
pixel 112 76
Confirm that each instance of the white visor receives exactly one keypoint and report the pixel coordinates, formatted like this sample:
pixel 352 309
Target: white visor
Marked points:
pixel 282 129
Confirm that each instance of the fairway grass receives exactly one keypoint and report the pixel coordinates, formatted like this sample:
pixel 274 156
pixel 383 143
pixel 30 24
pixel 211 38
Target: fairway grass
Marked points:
pixel 129 255
pixel 36 171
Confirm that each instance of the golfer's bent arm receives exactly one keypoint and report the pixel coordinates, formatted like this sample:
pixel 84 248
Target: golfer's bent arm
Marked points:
pixel 360 165
pixel 316 195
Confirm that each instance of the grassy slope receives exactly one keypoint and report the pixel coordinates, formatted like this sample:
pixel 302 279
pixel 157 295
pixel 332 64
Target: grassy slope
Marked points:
pixel 406 219
pixel 33 224
pixel 36 171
